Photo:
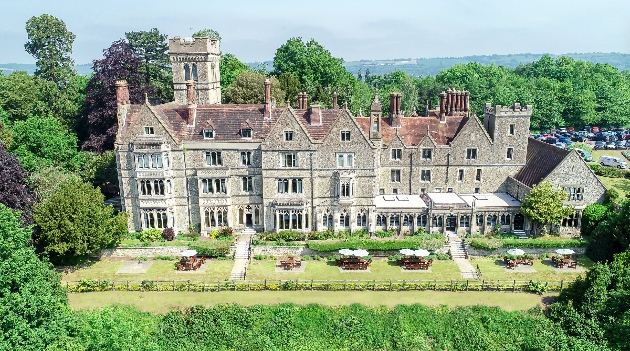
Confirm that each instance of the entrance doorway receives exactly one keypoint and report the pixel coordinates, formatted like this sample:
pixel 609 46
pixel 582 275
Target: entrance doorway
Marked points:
pixel 248 219
pixel 519 220
pixel 451 223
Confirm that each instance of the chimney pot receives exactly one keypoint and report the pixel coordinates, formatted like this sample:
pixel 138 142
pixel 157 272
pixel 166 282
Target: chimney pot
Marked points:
pixel 122 92
pixel 335 106
pixel 315 115
pixel 305 101
pixel 267 98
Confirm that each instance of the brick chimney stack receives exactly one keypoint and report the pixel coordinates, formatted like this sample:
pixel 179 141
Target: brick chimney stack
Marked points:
pixel 315 115
pixel 304 100
pixel 191 100
pixel 267 98
pixel 398 104
pixel 122 92
pixel 335 106
pixel 392 104
pixel 467 102
pixel 394 109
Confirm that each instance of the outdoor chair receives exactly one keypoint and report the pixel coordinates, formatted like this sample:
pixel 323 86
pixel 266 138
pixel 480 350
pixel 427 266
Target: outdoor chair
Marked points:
pixel 573 264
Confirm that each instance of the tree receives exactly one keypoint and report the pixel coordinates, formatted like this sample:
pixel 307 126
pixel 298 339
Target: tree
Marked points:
pixel 34 308
pixel 119 62
pixel 249 88
pixel 50 43
pixel 544 206
pixel 42 142
pixel 592 215
pixel 73 222
pixel 46 181
pixel 206 32
pixel 152 48
pixel 14 192
pixel 291 85
pixel 611 235
pixel 230 68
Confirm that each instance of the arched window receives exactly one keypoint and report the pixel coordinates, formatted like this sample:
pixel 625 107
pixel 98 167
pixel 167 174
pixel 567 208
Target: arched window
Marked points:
pixel 394 220
pixel 421 220
pixel 186 72
pixel 194 72
pixel 256 216
pixel 380 221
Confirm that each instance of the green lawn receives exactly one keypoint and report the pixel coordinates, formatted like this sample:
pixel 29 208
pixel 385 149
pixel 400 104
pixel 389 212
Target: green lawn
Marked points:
pixel 160 270
pixel 622 185
pixel 380 269
pixel 162 302
pixel 492 270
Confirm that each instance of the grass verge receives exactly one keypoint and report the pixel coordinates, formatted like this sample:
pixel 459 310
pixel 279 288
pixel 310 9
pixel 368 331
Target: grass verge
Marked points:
pixel 162 302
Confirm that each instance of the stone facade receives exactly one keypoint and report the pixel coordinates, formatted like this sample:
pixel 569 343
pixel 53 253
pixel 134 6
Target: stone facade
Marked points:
pixel 197 163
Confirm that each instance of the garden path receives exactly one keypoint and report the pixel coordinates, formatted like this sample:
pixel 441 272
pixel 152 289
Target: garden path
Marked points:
pixel 458 254
pixel 241 257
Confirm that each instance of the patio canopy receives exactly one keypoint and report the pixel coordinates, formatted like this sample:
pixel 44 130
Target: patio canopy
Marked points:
pixel 189 253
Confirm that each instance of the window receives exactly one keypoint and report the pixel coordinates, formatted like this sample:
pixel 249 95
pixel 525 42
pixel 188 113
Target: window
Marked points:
pixel 449 190
pixel 381 191
pixel 246 133
pixel 396 154
pixel 194 72
pixel 421 220
pixel 575 194
pixel 213 158
pixel 143 161
pixel 427 154
pixel 156 161
pixel 289 186
pixel 327 220
pixel 478 175
pixel 572 221
pixel 288 135
pixel 208 133
pixel 436 221
pixel 345 189
pixel 381 221
pixel 246 158
pixel 146 161
pixel 510 153
pixel 460 175
pixel 216 217
pixel 511 129
pixel 151 187
pixel 479 220
pixel 213 186
pixel 154 218
pixel 283 186
pixel 394 220
pixel 345 135
pixel 464 221
pixel 345 160
pixel 148 130
pixel 344 219
pixel 296 186
pixel 505 219
pixel 477 190
pixel 361 220
pixel 248 184
pixel 395 191
pixel 425 175
pixel 395 175
pixel 423 190
pixel 288 160
pixel 437 190
pixel 471 154
pixel 491 220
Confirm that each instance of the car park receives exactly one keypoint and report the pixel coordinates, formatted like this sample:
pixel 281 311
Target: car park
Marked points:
pixel 599 145
pixel 585 155
pixel 620 145
pixel 560 145
pixel 612 161
pixel 611 145
pixel 594 129
pixel 570 129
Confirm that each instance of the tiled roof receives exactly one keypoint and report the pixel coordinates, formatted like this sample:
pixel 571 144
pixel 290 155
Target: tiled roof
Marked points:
pixel 542 158
pixel 329 116
pixel 415 128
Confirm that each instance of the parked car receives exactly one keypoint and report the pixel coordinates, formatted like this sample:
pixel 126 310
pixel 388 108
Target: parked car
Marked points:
pixel 585 155
pixel 594 129
pixel 560 145
pixel 612 161
pixel 611 145
pixel 599 145
pixel 578 139
pixel 628 143
pixel 570 129
pixel 620 145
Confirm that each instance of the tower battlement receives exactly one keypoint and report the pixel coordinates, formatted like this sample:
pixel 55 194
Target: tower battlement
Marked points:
pixel 196 59
pixel 197 45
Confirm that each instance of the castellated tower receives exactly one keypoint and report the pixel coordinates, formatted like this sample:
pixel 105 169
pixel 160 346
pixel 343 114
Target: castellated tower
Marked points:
pixel 509 129
pixel 196 59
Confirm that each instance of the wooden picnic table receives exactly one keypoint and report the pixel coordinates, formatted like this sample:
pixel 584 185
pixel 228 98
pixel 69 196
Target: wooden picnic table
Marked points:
pixel 289 263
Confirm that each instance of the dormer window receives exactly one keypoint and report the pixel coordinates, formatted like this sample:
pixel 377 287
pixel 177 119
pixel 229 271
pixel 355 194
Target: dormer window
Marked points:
pixel 246 133
pixel 208 133
pixel 148 131
pixel 288 135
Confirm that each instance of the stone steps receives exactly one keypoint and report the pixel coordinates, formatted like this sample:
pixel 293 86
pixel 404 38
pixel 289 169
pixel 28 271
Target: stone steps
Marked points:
pixel 459 255
pixel 241 258
pixel 520 233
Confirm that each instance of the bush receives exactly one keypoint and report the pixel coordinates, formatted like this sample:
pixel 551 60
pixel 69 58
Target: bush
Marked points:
pixel 283 235
pixel 317 258
pixel 306 258
pixel 495 243
pixel 394 257
pixel 537 287
pixel 384 233
pixel 152 234
pixel 407 243
pixel 164 258
pixel 168 234
pixel 214 248
pixel 324 235
pixel 610 172
pixel 192 235
pixel 260 257
pixel 360 234
pixel 226 232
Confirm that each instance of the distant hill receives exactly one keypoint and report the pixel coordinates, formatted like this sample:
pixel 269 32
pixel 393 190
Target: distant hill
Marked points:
pixel 7 68
pixel 414 67
pixel 432 66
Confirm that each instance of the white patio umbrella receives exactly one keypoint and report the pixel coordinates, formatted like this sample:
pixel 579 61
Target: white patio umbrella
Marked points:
pixel 406 251
pixel 565 251
pixel 420 252
pixel 360 253
pixel 345 252
pixel 515 252
pixel 189 253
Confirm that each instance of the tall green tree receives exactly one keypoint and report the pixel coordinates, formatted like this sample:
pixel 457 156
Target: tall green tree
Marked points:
pixel 249 88
pixel 73 222
pixel 230 67
pixel 291 85
pixel 50 42
pixel 152 47
pixel 34 310
pixel 544 206
pixel 207 32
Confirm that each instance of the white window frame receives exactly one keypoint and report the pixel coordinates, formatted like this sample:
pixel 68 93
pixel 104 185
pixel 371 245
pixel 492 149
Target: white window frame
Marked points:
pixel 245 131
pixel 214 158
pixel 345 135
pixel 247 184
pixel 149 130
pixel 345 160
pixel 471 153
pixel 208 133
pixel 288 135
pixel 395 176
pixel 429 152
pixel 286 162
pixel 397 154
pixel 246 158
pixel 425 175
pixel 509 153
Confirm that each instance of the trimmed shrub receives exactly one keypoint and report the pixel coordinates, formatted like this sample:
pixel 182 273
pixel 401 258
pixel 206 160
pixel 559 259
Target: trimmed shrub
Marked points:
pixel 495 243
pixel 168 234
pixel 408 243
pixel 323 235
pixel 213 248
pixel 384 233
pixel 152 234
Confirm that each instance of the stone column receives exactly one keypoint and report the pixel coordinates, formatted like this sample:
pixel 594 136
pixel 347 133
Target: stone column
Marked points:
pixel 277 214
pixel 303 221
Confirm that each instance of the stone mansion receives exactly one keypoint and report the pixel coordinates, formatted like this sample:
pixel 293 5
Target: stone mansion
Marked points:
pixel 197 162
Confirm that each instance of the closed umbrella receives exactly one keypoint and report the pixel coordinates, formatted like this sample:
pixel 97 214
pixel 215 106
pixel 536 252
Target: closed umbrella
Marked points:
pixel 420 252
pixel 515 252
pixel 565 251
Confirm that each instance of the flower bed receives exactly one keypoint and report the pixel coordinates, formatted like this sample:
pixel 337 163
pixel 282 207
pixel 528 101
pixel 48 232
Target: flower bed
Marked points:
pixel 376 245
pixel 492 244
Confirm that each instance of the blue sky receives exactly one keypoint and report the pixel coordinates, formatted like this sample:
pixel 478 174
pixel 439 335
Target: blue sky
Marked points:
pixel 353 30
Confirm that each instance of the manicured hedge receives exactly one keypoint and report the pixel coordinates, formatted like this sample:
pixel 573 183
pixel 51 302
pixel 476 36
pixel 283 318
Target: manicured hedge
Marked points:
pixel 215 248
pixel 376 245
pixel 491 244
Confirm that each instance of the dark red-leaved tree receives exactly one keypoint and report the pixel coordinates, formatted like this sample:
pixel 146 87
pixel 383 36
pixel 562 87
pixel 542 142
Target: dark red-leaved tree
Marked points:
pixel 14 193
pixel 119 62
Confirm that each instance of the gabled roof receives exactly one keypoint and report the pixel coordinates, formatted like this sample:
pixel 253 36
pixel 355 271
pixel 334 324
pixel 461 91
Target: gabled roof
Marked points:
pixel 541 160
pixel 414 129
pixel 318 132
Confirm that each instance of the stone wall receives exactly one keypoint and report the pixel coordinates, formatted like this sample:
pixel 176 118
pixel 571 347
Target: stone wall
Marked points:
pixel 281 251
pixel 503 251
pixel 142 251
